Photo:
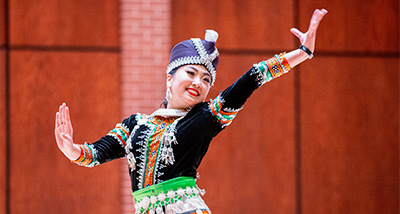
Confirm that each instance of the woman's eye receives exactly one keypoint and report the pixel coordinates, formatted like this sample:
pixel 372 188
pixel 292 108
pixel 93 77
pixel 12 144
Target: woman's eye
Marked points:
pixel 190 73
pixel 206 80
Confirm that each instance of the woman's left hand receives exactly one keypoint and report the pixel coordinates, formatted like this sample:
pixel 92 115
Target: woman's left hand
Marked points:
pixel 308 38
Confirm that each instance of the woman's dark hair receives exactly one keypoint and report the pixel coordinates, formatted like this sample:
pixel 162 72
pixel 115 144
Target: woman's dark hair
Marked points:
pixel 165 101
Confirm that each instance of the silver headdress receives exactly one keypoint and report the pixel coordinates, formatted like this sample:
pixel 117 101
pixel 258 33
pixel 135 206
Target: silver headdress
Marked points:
pixel 198 52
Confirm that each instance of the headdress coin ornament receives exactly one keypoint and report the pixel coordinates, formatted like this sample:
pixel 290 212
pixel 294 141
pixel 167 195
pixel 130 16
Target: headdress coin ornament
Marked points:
pixel 198 52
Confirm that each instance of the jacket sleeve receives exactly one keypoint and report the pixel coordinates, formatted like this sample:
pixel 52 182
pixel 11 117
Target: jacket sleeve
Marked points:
pixel 109 147
pixel 230 101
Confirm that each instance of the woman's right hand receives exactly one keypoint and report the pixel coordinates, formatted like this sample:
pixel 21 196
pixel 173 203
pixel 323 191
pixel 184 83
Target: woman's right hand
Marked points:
pixel 64 132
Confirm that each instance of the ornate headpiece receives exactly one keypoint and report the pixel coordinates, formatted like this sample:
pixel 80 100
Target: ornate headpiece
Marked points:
pixel 198 52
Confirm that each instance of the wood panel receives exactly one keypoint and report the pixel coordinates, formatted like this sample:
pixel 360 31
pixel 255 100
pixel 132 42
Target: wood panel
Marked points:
pixel 241 24
pixel 42 179
pixel 3 125
pixel 354 25
pixel 2 23
pixel 249 167
pixel 64 23
pixel 3 150
pixel 350 135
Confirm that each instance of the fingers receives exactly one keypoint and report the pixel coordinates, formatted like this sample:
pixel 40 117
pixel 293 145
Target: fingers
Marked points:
pixel 63 113
pixel 62 116
pixel 319 14
pixel 57 130
pixel 67 117
pixel 316 19
pixel 57 119
pixel 63 122
pixel 297 33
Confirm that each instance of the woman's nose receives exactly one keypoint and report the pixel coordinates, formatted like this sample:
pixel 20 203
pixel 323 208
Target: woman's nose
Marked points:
pixel 196 81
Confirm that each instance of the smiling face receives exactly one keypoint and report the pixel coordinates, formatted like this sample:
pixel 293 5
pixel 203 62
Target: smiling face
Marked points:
pixel 189 86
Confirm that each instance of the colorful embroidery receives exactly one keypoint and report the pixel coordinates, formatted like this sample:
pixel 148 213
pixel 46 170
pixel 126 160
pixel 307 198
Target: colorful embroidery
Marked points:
pixel 141 147
pixel 224 117
pixel 283 61
pixel 270 69
pixel 153 149
pixel 274 67
pixel 120 133
pixel 88 156
pixel 129 147
pixel 156 135
pixel 264 69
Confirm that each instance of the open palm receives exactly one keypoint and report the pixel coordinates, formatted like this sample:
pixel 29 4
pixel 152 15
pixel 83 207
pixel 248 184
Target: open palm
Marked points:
pixel 64 133
pixel 308 38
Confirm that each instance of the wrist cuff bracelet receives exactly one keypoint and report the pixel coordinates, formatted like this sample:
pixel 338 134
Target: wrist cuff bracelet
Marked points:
pixel 305 49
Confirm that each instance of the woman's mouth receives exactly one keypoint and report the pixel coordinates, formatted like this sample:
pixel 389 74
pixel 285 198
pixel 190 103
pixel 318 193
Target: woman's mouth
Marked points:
pixel 193 92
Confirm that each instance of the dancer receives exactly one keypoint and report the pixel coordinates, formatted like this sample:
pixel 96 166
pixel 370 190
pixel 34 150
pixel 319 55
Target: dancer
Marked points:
pixel 164 149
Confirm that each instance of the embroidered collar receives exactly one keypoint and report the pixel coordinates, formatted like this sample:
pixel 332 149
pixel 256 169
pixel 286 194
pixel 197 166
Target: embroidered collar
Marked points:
pixel 163 112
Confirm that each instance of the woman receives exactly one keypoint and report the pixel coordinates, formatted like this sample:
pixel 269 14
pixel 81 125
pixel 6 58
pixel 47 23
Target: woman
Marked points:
pixel 164 149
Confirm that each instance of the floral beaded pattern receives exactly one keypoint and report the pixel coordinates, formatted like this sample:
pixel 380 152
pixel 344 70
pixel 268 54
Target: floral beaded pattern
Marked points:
pixel 153 204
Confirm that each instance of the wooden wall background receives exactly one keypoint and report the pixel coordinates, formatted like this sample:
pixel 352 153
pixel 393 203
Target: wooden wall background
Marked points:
pixel 54 52
pixel 322 139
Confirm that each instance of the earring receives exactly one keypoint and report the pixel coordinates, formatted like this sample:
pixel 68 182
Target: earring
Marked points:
pixel 168 94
